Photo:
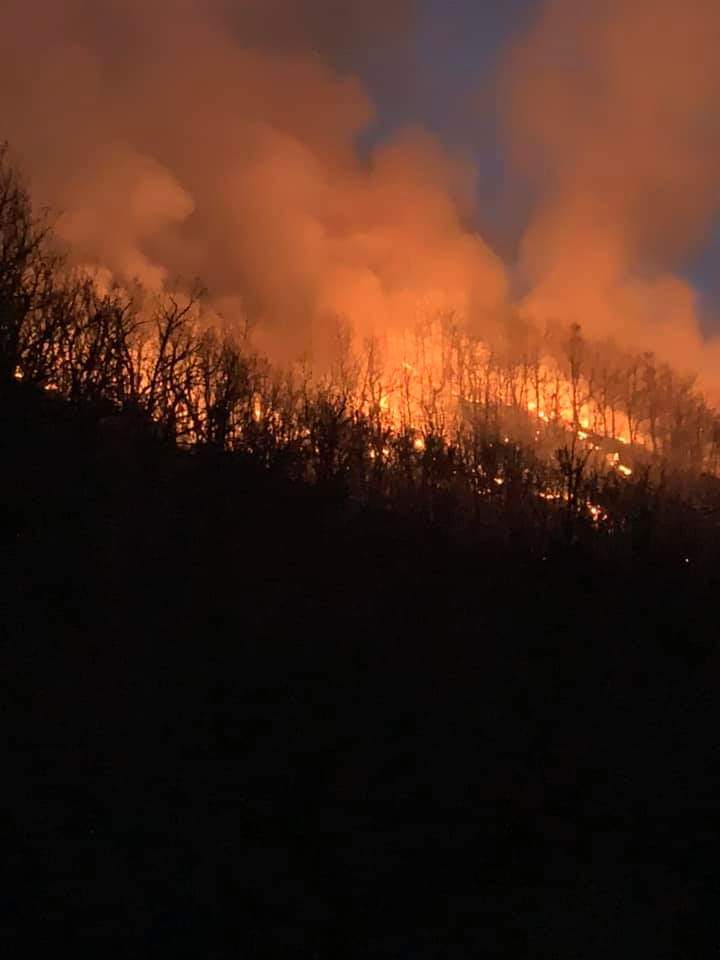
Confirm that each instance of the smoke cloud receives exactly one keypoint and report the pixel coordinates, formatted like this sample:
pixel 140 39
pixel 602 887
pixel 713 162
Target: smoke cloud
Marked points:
pixel 184 138
pixel 219 139
pixel 611 111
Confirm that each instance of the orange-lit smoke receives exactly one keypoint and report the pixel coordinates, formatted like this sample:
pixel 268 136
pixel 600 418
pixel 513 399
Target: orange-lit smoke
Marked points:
pixel 218 139
pixel 612 111
pixel 184 138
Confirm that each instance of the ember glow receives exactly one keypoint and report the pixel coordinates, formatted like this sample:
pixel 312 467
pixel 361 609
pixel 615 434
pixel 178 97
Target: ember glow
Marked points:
pixel 438 378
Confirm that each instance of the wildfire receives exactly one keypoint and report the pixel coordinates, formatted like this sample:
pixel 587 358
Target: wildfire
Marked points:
pixel 438 378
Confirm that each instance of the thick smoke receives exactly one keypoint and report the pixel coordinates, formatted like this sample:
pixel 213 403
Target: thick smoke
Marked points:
pixel 186 137
pixel 218 139
pixel 613 113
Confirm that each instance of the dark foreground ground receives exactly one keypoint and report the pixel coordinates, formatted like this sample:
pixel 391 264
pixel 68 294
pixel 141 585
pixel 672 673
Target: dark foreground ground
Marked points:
pixel 248 719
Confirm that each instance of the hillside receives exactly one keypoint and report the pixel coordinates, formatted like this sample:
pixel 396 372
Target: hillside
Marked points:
pixel 288 676
pixel 247 713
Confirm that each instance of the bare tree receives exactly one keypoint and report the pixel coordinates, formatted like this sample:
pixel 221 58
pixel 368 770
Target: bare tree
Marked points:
pixel 27 265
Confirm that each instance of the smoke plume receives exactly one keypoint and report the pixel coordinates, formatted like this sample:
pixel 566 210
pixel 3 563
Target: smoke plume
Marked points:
pixel 611 111
pixel 219 139
pixel 185 138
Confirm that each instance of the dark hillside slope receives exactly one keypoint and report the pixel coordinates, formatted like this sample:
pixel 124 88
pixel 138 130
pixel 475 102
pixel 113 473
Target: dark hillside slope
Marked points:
pixel 251 717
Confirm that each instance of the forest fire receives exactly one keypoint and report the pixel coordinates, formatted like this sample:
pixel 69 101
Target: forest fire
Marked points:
pixel 288 222
pixel 438 377
pixel 360 488
pixel 375 270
